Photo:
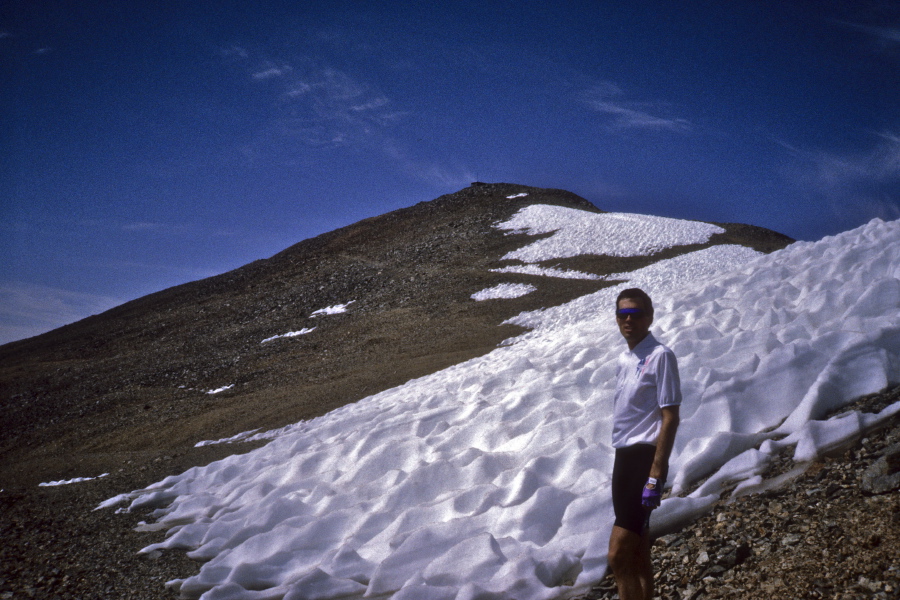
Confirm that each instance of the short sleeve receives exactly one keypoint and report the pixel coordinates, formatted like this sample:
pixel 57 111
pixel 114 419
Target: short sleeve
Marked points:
pixel 668 382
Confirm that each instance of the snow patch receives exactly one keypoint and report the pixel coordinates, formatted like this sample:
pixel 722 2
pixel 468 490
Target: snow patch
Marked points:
pixel 221 389
pixel 291 334
pixel 504 290
pixel 70 481
pixel 332 310
pixel 546 272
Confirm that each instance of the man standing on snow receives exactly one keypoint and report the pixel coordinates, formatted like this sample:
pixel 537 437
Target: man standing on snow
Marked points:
pixel 648 396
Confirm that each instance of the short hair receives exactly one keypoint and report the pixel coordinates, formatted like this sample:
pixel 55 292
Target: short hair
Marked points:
pixel 639 294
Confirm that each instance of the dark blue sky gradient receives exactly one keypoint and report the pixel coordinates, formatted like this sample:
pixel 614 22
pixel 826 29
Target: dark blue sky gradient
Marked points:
pixel 147 146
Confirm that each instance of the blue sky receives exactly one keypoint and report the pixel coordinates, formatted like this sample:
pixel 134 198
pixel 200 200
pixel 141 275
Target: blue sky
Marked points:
pixel 147 146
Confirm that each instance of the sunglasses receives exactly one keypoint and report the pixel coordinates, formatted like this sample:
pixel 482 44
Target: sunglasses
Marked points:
pixel 623 313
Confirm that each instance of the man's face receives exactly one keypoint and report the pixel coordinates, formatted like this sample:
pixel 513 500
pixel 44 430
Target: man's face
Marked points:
pixel 634 327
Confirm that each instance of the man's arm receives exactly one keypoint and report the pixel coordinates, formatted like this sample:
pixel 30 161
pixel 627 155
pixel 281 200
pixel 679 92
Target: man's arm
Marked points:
pixel 665 441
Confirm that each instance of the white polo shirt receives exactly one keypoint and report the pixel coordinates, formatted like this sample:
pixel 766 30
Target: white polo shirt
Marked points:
pixel 646 380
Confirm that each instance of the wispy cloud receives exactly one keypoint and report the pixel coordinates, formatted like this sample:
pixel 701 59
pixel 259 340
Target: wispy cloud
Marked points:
pixel 877 20
pixel 890 35
pixel 155 227
pixel 271 71
pixel 27 310
pixel 169 274
pixel 886 36
pixel 865 182
pixel 450 176
pixel 143 226
pixel 879 164
pixel 298 88
pixel 609 99
pixel 444 175
pixel 234 52
pixel 314 104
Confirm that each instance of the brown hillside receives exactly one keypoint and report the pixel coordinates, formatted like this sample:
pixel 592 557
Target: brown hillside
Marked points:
pixel 135 379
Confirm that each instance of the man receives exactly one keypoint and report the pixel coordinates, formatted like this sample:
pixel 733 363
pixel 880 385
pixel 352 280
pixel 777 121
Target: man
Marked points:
pixel 648 396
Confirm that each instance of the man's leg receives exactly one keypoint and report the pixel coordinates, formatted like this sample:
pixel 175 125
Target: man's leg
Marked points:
pixel 629 558
pixel 645 569
pixel 629 543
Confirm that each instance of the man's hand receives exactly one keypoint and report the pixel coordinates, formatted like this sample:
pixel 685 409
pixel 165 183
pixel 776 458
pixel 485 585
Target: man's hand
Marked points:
pixel 652 494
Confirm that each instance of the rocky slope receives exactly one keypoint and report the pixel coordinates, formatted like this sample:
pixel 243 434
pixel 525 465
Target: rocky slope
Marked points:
pixel 125 392
pixel 134 379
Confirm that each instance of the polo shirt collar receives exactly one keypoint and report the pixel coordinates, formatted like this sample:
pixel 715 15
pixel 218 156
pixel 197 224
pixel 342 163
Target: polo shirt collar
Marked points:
pixel 645 345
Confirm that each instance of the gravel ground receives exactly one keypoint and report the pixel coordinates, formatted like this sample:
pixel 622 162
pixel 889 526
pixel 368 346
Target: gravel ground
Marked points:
pixel 56 545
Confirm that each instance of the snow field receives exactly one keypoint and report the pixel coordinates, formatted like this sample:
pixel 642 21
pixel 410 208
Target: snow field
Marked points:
pixel 489 480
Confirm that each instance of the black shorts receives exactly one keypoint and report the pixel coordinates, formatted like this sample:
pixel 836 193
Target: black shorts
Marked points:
pixel 630 472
